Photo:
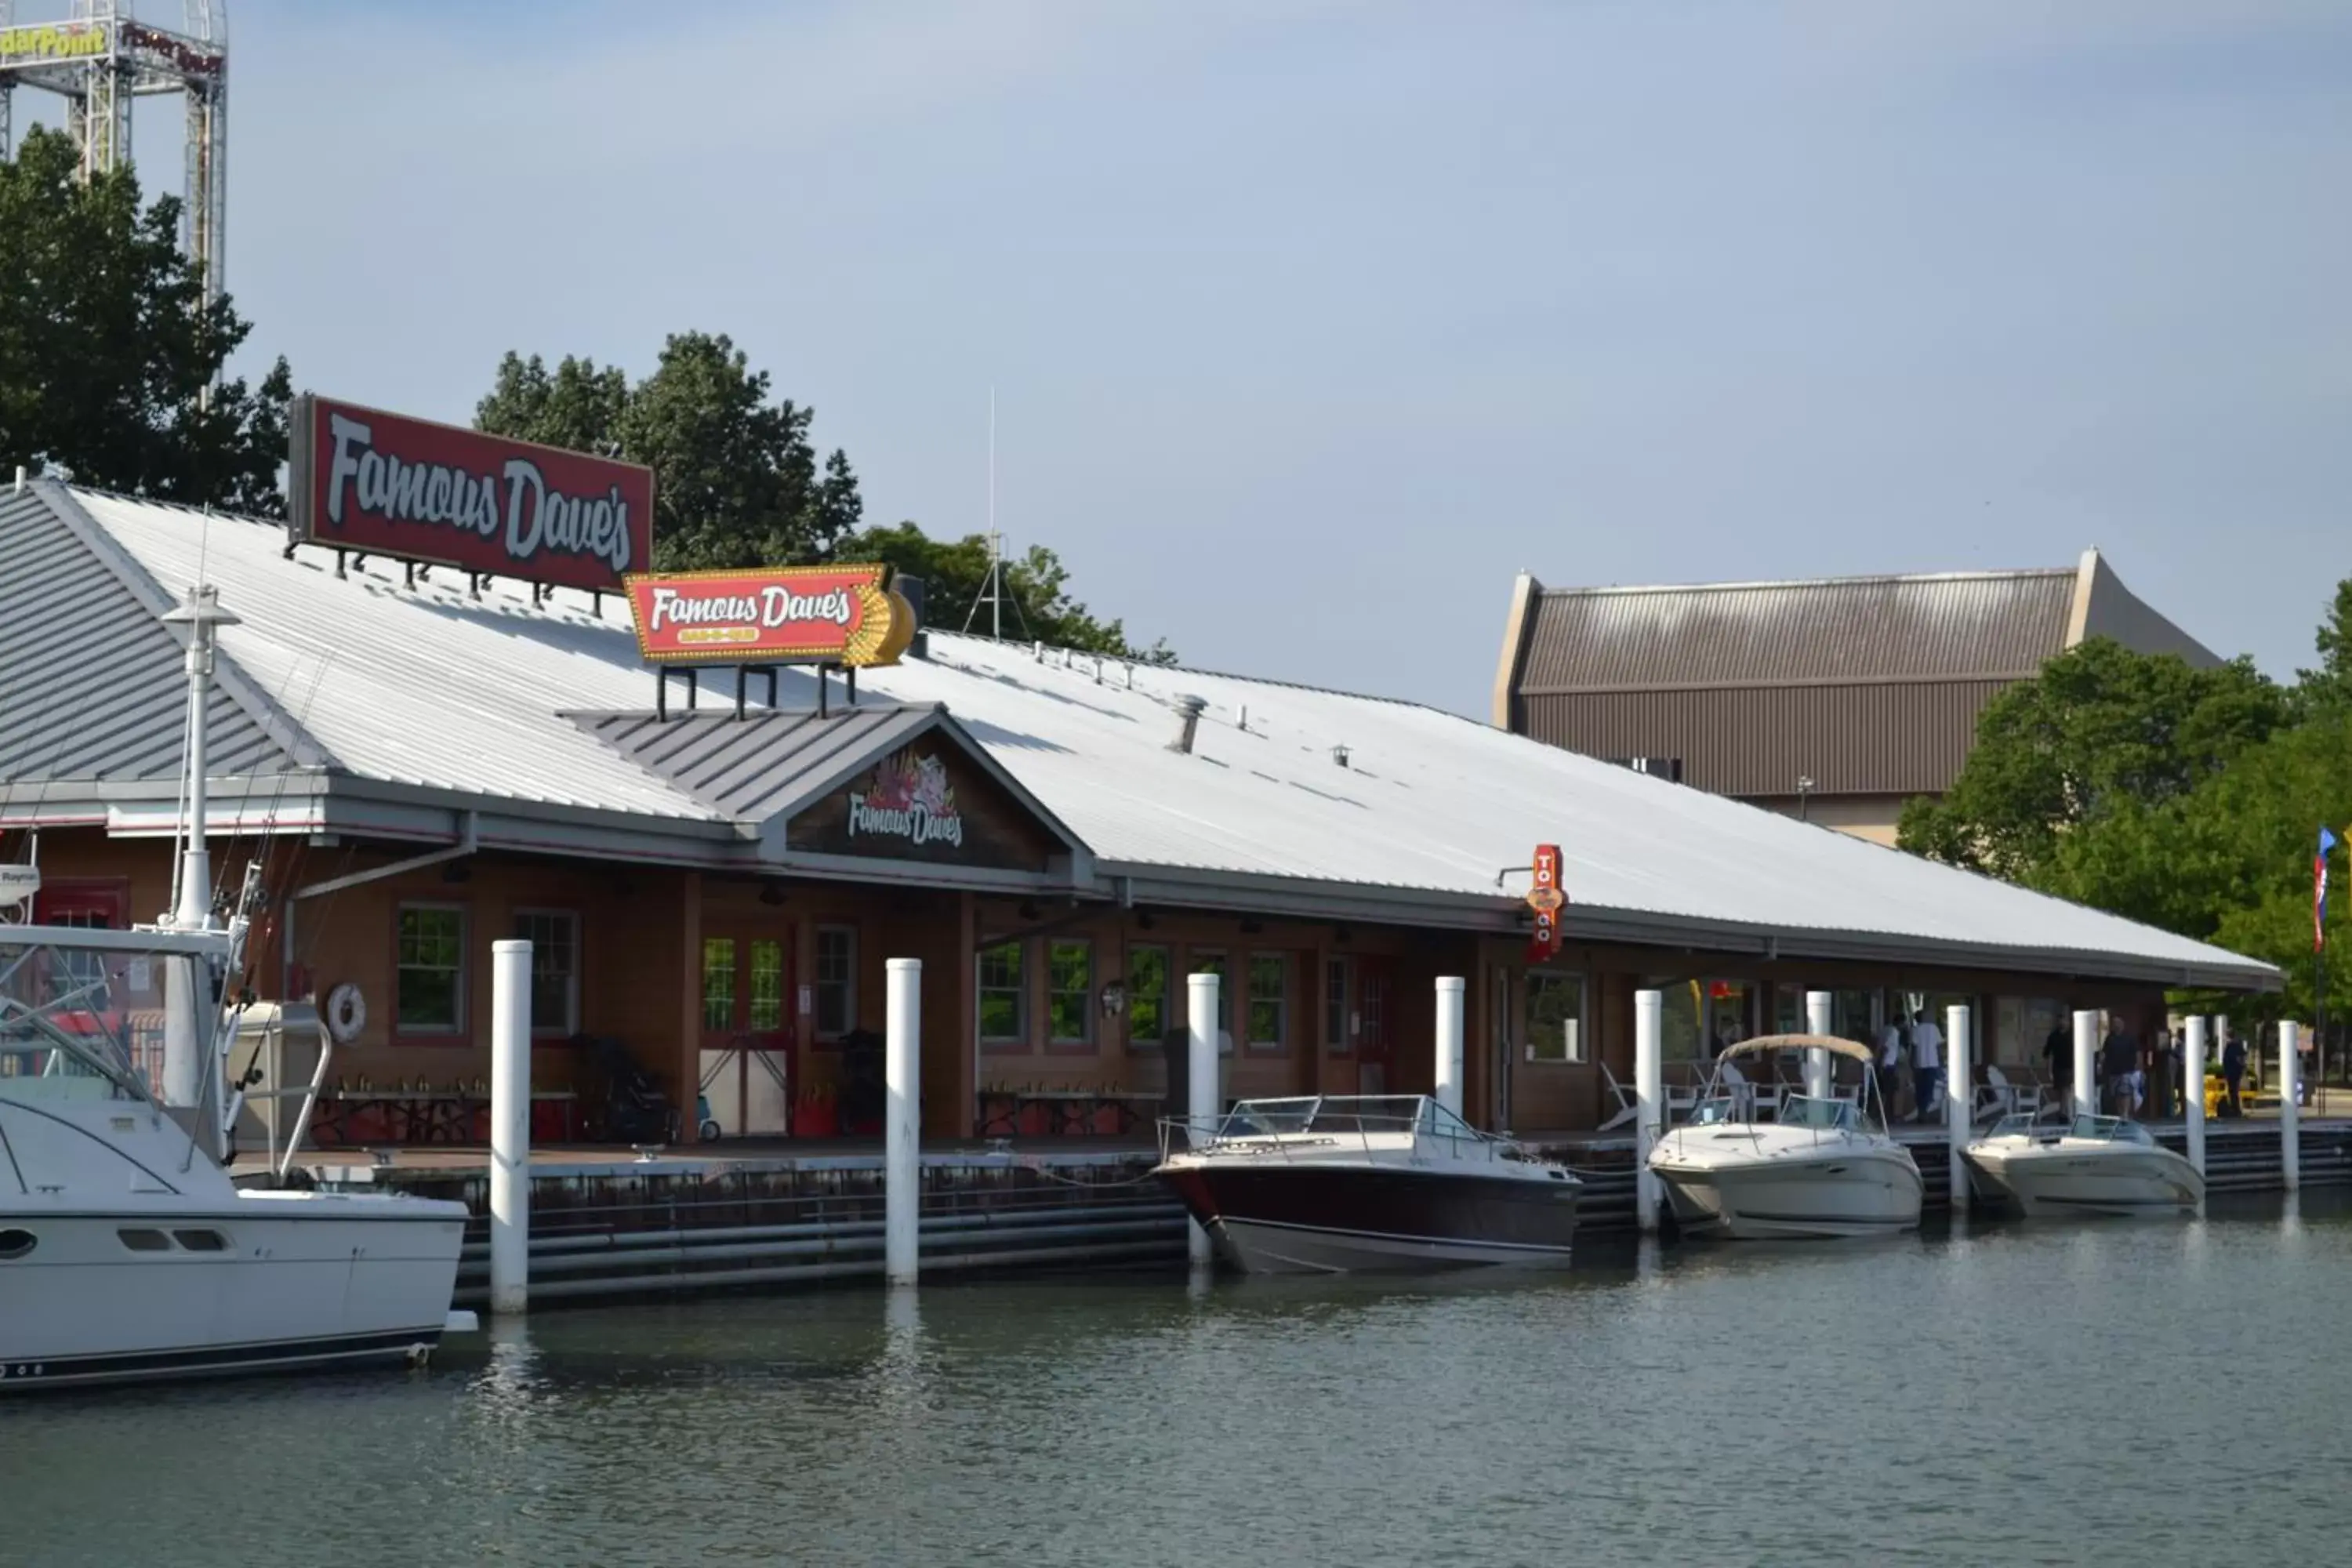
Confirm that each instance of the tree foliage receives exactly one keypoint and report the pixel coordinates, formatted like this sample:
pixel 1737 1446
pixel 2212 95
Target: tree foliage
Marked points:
pixel 737 481
pixel 108 348
pixel 1036 602
pixel 2190 799
pixel 2101 730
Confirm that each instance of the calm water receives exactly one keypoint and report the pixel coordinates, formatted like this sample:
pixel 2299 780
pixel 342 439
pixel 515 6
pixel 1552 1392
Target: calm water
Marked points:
pixel 2129 1393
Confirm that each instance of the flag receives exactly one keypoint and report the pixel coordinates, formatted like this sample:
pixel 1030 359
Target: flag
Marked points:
pixel 2319 891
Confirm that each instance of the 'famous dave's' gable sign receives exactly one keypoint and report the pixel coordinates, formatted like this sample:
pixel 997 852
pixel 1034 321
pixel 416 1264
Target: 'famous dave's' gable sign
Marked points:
pixel 926 801
pixel 386 485
pixel 771 615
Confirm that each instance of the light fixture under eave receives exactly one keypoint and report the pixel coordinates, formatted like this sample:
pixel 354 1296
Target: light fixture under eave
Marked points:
pixel 772 893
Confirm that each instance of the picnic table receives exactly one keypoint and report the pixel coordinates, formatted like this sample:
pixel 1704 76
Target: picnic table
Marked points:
pixel 1064 1112
pixel 350 1116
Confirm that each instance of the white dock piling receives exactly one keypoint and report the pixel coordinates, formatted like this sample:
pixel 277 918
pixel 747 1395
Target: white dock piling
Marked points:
pixel 1200 1109
pixel 2086 1063
pixel 1817 1061
pixel 2192 1090
pixel 510 1126
pixel 1960 1099
pixel 1451 991
pixel 902 1116
pixel 2290 1113
pixel 1648 1098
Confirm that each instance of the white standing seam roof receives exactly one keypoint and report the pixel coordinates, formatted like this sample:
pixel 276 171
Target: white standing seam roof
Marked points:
pixel 431 687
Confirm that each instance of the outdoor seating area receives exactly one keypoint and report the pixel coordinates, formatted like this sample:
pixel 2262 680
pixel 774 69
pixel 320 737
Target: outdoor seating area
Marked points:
pixel 1011 1112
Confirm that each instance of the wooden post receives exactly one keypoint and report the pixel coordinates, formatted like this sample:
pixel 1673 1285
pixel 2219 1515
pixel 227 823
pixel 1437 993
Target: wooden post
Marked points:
pixel 1959 1093
pixel 510 1126
pixel 902 1078
pixel 1648 1098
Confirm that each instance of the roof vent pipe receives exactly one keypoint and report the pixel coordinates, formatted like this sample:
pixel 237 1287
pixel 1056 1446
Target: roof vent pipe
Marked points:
pixel 20 478
pixel 1340 755
pixel 1188 708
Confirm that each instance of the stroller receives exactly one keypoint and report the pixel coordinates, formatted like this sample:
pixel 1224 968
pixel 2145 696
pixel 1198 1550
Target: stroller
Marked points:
pixel 634 1109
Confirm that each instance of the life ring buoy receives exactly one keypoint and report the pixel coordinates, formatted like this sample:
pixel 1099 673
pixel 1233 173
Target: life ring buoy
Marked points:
pixel 346 1012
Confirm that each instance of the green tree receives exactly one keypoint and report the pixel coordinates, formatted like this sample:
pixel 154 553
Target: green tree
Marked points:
pixel 1036 602
pixel 2101 733
pixel 736 480
pixel 111 358
pixel 2330 686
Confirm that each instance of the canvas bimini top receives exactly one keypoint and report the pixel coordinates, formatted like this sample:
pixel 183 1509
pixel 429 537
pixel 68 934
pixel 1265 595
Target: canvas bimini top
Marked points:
pixel 368 703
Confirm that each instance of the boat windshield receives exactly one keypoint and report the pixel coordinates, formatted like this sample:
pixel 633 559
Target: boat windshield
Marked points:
pixel 1414 1113
pixel 2109 1130
pixel 1822 1115
pixel 1714 1112
pixel 80 1022
pixel 2018 1124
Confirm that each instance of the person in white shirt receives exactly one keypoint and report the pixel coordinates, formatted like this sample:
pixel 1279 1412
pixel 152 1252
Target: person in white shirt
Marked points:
pixel 1890 1066
pixel 1926 1066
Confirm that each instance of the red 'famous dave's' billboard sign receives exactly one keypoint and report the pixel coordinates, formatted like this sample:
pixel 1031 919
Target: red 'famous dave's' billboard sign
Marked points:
pixel 771 615
pixel 387 485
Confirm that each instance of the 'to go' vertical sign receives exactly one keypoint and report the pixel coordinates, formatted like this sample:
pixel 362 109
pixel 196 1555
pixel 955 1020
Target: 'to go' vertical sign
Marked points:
pixel 1547 901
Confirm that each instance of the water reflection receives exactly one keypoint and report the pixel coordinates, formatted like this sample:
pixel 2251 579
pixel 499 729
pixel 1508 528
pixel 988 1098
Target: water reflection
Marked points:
pixel 1477 1420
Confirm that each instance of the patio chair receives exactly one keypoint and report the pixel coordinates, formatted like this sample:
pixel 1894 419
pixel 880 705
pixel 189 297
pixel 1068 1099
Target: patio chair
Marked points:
pixel 1628 1108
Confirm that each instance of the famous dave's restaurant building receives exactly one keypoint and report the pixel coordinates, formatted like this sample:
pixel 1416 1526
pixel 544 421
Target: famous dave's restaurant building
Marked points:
pixel 458 705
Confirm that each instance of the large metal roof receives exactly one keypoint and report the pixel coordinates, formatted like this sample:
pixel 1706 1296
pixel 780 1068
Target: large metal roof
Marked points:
pixel 90 681
pixel 1976 623
pixel 1292 799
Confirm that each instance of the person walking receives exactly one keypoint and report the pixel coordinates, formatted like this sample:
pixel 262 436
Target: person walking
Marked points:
pixel 2118 1054
pixel 1927 1064
pixel 1890 1066
pixel 2233 1075
pixel 2058 1052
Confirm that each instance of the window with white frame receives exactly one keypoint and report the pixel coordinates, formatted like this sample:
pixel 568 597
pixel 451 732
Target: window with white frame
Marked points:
pixel 429 969
pixel 1556 1016
pixel 1146 996
pixel 554 938
pixel 1269 1000
pixel 1069 992
pixel 836 981
pixel 1005 994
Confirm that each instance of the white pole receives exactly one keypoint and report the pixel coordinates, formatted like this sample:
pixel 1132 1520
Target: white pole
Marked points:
pixel 1201 1015
pixel 2192 1090
pixel 1648 1095
pixel 1959 1096
pixel 2086 1056
pixel 1817 1061
pixel 510 1126
pixel 1451 991
pixel 902 1086
pixel 2289 1114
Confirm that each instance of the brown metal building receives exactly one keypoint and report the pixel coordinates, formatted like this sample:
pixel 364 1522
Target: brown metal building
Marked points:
pixel 1836 698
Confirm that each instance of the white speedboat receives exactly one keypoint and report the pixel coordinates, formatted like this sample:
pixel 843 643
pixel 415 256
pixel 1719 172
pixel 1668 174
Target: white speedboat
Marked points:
pixel 1332 1183
pixel 2096 1165
pixel 1823 1167
pixel 126 1251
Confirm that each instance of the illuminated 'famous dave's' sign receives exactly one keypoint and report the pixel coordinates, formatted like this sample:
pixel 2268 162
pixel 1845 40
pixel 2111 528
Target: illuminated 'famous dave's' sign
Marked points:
pixel 386 485
pixel 771 615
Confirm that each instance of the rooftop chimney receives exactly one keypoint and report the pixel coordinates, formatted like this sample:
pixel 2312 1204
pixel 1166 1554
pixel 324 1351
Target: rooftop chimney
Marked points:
pixel 1188 708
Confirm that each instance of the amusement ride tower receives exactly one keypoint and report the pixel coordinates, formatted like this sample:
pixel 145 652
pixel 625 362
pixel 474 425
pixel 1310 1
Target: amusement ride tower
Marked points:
pixel 101 60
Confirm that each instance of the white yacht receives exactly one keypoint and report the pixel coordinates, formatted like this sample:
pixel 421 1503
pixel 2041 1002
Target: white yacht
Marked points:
pixel 1823 1167
pixel 1332 1183
pixel 126 1251
pixel 2096 1165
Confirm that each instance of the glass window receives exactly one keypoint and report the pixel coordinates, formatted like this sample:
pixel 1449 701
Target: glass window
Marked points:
pixel 201 1240
pixel 1269 1000
pixel 1335 1006
pixel 1147 994
pixel 765 1012
pixel 139 1240
pixel 836 981
pixel 1375 1035
pixel 554 940
pixel 1069 992
pixel 718 984
pixel 430 988
pixel 1555 1018
pixel 1004 992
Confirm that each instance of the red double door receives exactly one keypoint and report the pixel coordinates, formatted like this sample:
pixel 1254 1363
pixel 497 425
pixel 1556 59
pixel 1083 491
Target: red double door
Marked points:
pixel 749 1081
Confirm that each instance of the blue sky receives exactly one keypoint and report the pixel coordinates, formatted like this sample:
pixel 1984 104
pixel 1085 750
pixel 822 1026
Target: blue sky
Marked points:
pixel 1312 324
